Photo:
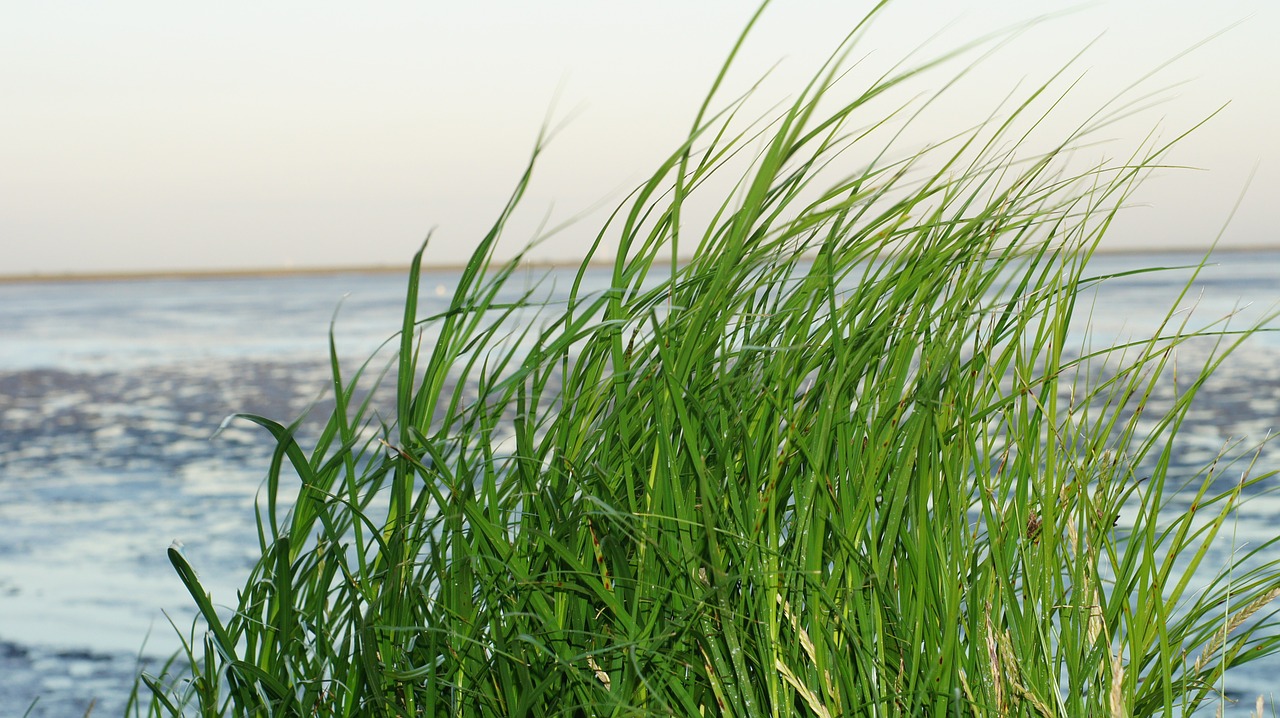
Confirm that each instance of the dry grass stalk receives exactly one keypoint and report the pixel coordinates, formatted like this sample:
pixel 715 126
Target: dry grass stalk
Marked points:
pixel 1118 707
pixel 600 672
pixel 1220 638
pixel 997 673
pixel 806 643
pixel 811 699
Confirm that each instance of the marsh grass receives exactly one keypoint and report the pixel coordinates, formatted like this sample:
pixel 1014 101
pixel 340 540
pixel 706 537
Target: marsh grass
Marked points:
pixel 839 459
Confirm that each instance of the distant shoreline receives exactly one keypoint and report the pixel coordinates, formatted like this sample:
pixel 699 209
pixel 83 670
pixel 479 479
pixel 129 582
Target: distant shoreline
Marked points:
pixel 192 274
pixel 245 273
pixel 251 272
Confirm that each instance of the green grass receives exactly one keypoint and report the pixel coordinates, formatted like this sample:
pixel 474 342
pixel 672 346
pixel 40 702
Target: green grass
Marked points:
pixel 830 452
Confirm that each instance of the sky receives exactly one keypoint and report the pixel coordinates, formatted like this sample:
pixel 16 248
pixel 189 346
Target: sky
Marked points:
pixel 154 136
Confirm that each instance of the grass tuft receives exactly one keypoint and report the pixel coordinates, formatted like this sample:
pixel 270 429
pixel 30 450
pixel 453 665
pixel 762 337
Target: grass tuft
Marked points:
pixel 830 452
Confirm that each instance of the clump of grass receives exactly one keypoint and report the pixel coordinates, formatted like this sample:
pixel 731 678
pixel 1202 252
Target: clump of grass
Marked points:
pixel 840 460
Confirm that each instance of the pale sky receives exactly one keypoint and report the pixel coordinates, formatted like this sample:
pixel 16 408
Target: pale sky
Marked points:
pixel 140 136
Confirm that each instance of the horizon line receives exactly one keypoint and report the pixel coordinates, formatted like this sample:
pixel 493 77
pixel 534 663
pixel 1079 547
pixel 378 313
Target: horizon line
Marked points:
pixel 258 272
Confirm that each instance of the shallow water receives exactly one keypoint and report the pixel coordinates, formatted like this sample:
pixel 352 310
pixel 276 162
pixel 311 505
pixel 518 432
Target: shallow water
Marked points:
pixel 111 391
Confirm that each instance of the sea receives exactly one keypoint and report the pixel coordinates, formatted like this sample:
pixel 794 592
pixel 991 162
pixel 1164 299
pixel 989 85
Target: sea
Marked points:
pixel 112 392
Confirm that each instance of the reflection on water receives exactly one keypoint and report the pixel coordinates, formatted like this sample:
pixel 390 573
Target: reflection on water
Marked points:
pixel 110 393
